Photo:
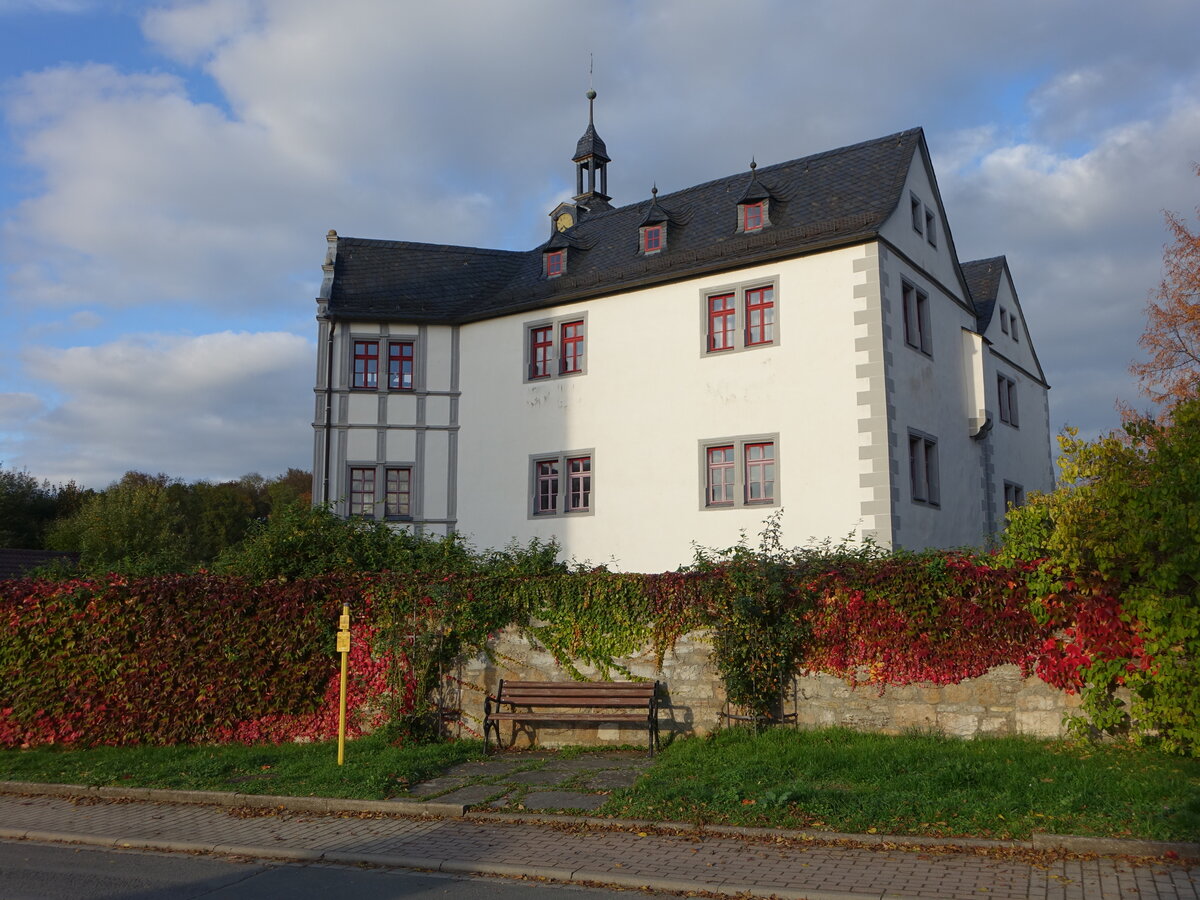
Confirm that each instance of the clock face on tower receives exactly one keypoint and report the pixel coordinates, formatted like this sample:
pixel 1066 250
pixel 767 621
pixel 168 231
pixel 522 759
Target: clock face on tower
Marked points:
pixel 564 222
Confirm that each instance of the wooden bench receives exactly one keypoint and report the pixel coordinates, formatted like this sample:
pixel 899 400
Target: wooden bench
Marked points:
pixel 566 701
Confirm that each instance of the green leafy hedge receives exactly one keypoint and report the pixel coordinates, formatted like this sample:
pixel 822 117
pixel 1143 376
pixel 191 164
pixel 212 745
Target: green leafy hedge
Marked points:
pixel 158 660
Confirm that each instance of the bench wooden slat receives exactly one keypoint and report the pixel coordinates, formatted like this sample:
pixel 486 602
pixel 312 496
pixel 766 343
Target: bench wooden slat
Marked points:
pixel 574 700
pixel 580 717
pixel 566 701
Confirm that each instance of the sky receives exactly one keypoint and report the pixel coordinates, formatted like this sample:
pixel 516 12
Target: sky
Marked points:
pixel 168 172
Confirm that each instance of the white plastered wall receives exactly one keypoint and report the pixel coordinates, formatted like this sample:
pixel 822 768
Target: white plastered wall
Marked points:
pixel 649 396
pixel 931 394
pixel 1021 453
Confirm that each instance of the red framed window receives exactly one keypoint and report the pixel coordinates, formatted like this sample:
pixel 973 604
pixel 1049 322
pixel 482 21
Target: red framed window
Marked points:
pixel 571 349
pixel 541 351
pixel 545 498
pixel 752 216
pixel 554 263
pixel 400 366
pixel 760 316
pixel 366 365
pixel 722 321
pixel 362 492
pixel 397 493
pixel 760 473
pixel 579 484
pixel 652 238
pixel 720 476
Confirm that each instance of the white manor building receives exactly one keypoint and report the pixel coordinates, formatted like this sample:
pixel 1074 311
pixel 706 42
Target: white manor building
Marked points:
pixel 800 336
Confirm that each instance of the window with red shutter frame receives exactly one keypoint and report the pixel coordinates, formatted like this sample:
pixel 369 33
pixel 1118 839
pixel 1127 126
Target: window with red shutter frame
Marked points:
pixel 571 343
pixel 541 351
pixel 365 374
pixel 722 322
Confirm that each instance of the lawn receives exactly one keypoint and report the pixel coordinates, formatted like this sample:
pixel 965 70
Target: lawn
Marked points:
pixel 840 780
pixel 829 780
pixel 374 769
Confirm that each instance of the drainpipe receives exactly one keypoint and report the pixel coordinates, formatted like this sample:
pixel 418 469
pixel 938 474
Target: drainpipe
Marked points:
pixel 328 409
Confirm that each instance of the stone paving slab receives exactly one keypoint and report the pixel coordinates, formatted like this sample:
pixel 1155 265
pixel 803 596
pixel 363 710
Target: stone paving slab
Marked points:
pixel 543 773
pixel 684 861
pixel 612 779
pixel 541 778
pixel 538 800
pixel 472 794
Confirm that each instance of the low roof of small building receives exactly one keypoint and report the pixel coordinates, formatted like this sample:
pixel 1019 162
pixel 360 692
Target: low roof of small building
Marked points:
pixel 16 563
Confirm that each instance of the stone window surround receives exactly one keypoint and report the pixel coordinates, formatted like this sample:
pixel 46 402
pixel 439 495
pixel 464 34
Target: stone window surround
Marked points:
pixel 563 484
pixel 917 328
pixel 922 447
pixel 739 443
pixel 382 344
pixel 555 323
pixel 379 505
pixel 739 290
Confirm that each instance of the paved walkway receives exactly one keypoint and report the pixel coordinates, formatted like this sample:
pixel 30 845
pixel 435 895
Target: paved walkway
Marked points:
pixel 535 781
pixel 578 850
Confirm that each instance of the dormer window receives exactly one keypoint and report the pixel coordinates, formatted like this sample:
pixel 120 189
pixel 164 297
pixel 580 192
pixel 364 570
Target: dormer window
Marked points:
pixel 754 215
pixel 653 238
pixel 555 263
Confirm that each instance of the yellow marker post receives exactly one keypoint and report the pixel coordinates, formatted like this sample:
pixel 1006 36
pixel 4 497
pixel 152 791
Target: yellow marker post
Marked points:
pixel 343 647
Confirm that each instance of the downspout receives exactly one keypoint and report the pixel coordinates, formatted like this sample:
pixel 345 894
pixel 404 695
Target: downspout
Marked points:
pixel 328 409
pixel 329 268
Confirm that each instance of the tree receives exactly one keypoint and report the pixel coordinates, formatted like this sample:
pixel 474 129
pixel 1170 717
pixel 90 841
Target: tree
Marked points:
pixel 1172 373
pixel 28 507
pixel 135 527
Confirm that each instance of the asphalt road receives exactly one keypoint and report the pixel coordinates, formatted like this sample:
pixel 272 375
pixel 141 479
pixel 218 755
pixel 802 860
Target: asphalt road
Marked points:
pixel 31 871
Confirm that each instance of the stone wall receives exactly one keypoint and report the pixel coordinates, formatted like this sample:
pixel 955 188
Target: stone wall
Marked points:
pixel 692 697
pixel 998 702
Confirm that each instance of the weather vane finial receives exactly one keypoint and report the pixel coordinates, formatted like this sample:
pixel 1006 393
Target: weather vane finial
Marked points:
pixel 591 92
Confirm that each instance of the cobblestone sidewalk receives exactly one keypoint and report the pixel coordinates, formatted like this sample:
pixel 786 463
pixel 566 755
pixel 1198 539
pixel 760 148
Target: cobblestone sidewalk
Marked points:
pixel 577 852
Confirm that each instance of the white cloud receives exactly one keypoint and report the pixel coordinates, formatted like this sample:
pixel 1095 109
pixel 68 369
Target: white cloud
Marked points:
pixel 1060 131
pixel 212 406
pixel 16 408
pixel 1084 238
pixel 191 31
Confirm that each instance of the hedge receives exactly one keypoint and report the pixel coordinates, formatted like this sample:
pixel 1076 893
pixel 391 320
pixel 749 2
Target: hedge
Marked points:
pixel 202 658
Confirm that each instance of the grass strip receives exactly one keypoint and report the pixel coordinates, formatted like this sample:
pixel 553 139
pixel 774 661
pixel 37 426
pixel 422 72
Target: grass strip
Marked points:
pixel 918 783
pixel 374 769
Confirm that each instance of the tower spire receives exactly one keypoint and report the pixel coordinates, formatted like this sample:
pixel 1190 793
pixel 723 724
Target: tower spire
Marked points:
pixel 591 161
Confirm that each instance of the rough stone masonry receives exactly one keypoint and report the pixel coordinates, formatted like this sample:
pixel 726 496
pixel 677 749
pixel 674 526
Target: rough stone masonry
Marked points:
pixel 999 702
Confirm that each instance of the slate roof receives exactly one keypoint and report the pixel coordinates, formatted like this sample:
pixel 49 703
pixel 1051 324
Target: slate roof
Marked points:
pixel 836 198
pixel 983 281
pixel 591 144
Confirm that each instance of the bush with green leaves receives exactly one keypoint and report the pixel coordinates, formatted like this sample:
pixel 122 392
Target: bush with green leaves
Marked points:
pixel 1127 522
pixel 302 541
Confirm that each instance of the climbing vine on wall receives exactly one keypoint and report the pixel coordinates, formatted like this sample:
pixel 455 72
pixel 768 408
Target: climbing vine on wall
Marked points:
pixel 205 658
